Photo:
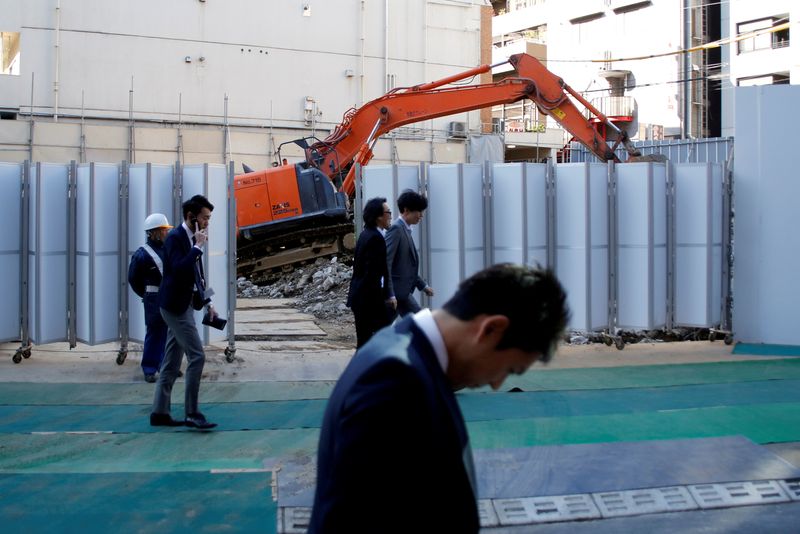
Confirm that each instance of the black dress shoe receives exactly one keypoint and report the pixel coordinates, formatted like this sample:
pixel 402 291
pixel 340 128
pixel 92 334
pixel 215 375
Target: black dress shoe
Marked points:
pixel 151 378
pixel 198 420
pixel 163 419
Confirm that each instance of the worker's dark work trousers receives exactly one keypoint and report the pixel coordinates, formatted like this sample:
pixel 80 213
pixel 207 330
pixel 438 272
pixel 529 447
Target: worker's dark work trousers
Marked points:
pixel 155 337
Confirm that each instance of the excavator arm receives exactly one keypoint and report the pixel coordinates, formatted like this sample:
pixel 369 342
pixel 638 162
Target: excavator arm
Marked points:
pixel 353 139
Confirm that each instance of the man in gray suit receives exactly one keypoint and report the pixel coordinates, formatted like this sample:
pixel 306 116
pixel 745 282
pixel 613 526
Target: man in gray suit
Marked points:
pixel 401 253
pixel 181 292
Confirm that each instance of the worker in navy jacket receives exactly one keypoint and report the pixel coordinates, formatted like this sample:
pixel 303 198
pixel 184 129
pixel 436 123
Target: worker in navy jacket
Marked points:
pixel 144 276
pixel 369 296
pixel 394 453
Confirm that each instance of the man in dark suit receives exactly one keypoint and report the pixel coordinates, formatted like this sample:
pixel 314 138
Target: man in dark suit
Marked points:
pixel 401 253
pixel 394 453
pixel 369 296
pixel 182 291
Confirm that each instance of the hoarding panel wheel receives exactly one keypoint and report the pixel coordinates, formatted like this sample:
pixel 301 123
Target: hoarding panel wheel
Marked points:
pixel 230 355
pixel 729 339
pixel 121 355
pixel 17 357
pixel 619 343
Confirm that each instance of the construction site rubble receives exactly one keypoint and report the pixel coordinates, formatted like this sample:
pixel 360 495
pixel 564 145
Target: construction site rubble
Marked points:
pixel 320 289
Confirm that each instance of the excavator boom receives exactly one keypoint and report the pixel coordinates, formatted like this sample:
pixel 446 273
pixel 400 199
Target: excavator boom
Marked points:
pixel 351 140
pixel 292 213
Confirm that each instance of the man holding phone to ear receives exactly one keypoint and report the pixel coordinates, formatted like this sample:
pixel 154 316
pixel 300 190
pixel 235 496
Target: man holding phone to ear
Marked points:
pixel 182 291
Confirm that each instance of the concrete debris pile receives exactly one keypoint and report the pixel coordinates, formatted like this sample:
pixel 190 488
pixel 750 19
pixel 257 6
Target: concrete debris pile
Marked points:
pixel 319 288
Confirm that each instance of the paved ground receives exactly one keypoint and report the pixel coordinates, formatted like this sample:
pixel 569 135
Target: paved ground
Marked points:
pixel 75 443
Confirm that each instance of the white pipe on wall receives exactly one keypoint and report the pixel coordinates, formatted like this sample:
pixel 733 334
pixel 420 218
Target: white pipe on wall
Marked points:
pixel 57 60
pixel 386 48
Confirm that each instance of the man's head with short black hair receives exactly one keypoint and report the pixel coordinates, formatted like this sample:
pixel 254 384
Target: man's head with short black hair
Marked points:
pixel 373 210
pixel 195 205
pixel 531 298
pixel 411 201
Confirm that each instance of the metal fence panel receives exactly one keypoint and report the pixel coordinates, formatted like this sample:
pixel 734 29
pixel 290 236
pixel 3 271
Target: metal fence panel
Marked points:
pixel 149 191
pixel 641 245
pixel 698 243
pixel 519 213
pixel 582 241
pixel 49 224
pixel 11 250
pixel 97 258
pixel 707 150
pixel 211 181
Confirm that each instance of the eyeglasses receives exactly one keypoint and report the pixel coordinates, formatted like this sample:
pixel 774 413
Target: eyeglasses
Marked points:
pixel 388 211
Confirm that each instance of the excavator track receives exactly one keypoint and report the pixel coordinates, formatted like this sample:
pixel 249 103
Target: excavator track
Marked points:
pixel 261 260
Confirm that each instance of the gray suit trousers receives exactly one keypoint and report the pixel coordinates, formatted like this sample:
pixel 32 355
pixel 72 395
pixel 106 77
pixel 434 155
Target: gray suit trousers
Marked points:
pixel 181 338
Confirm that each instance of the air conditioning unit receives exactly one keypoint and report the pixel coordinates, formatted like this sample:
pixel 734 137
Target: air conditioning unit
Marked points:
pixel 457 130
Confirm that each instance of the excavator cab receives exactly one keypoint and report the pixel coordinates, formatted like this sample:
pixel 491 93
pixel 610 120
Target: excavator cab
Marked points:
pixel 283 198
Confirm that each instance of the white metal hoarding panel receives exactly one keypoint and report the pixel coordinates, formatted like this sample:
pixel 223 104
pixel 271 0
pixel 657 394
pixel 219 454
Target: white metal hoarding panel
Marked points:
pixel 377 182
pixel 698 243
pixel 641 247
pixel 443 220
pixel 97 282
pixel 766 189
pixel 48 268
pixel 472 221
pixel 149 191
pixel 508 213
pixel 211 181
pixel 582 241
pixel 11 250
pixel 598 246
pixel 519 213
pixel 218 248
pixel 537 213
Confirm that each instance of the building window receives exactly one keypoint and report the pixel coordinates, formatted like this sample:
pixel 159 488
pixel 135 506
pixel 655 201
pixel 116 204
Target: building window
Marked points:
pixel 9 53
pixel 767 79
pixel 765 40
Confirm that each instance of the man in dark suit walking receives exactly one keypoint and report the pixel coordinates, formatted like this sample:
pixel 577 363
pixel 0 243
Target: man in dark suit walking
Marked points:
pixel 182 291
pixel 401 253
pixel 369 296
pixel 394 449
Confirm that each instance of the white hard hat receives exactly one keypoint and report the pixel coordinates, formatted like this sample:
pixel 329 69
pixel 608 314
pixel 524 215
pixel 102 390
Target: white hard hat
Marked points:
pixel 156 220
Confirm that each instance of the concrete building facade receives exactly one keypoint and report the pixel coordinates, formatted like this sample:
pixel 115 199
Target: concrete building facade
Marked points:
pixel 211 80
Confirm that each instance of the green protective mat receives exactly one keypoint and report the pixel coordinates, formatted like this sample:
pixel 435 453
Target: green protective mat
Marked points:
pixel 142 393
pixel 762 349
pixel 138 502
pixel 537 379
pixel 772 423
pixel 476 407
pixel 151 452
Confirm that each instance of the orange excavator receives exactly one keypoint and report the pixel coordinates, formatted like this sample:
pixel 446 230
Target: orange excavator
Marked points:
pixel 290 213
